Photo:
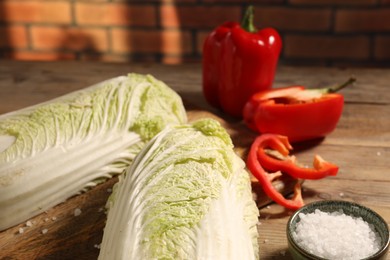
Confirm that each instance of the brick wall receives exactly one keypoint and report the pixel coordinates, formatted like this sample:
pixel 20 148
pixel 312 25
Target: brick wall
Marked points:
pixel 314 32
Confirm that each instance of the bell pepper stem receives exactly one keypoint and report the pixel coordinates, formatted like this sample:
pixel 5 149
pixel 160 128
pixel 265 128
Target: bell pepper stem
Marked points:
pixel 247 21
pixel 341 86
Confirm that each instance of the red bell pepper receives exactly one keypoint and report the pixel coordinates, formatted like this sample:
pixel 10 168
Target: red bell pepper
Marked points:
pixel 296 112
pixel 238 61
pixel 259 162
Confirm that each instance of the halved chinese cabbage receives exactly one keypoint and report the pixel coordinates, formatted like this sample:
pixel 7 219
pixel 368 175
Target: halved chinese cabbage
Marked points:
pixel 186 196
pixel 53 150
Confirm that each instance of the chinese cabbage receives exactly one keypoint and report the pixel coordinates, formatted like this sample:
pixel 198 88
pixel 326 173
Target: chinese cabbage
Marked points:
pixel 187 195
pixel 53 150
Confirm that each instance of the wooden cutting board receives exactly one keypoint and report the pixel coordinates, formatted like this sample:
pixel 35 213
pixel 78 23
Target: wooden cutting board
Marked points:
pixel 74 229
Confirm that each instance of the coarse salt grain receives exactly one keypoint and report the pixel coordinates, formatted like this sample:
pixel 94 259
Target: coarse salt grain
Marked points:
pixel 336 235
pixel 44 231
pixel 254 196
pixel 21 230
pixel 77 212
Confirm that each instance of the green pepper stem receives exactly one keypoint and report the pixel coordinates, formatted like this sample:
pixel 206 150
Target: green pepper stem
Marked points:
pixel 341 86
pixel 247 20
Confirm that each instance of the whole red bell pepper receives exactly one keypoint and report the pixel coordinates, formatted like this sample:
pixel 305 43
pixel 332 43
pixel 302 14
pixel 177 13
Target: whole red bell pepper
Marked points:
pixel 298 113
pixel 238 61
pixel 262 160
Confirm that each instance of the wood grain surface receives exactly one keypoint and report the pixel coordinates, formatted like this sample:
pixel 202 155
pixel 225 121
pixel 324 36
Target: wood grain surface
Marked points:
pixel 360 145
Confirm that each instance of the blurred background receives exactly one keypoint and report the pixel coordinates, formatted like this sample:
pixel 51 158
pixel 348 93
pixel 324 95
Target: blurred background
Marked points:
pixel 314 32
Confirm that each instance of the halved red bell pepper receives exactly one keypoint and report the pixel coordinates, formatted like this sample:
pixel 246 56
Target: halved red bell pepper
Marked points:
pixel 296 112
pixel 259 162
pixel 238 61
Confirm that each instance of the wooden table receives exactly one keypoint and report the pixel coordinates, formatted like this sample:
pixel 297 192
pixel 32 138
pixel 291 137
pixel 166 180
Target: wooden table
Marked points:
pixel 360 146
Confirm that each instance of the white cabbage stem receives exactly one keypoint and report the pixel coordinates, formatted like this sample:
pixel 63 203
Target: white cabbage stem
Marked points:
pixel 35 185
pixel 6 141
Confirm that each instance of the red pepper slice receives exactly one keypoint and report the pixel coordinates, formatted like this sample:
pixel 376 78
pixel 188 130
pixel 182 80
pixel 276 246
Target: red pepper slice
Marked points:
pixel 266 179
pixel 281 144
pixel 238 61
pixel 259 162
pixel 298 113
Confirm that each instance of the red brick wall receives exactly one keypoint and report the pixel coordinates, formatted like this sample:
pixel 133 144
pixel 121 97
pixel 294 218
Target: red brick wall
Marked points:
pixel 314 32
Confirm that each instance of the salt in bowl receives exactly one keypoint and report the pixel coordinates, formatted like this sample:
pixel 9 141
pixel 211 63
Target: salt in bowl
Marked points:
pixel 300 239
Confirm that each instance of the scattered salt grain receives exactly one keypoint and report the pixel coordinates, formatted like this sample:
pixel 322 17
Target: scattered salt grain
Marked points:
pixel 29 224
pixel 46 219
pixel 54 218
pixel 44 231
pixel 21 230
pixel 97 246
pixel 336 235
pixel 77 212
pixel 254 196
